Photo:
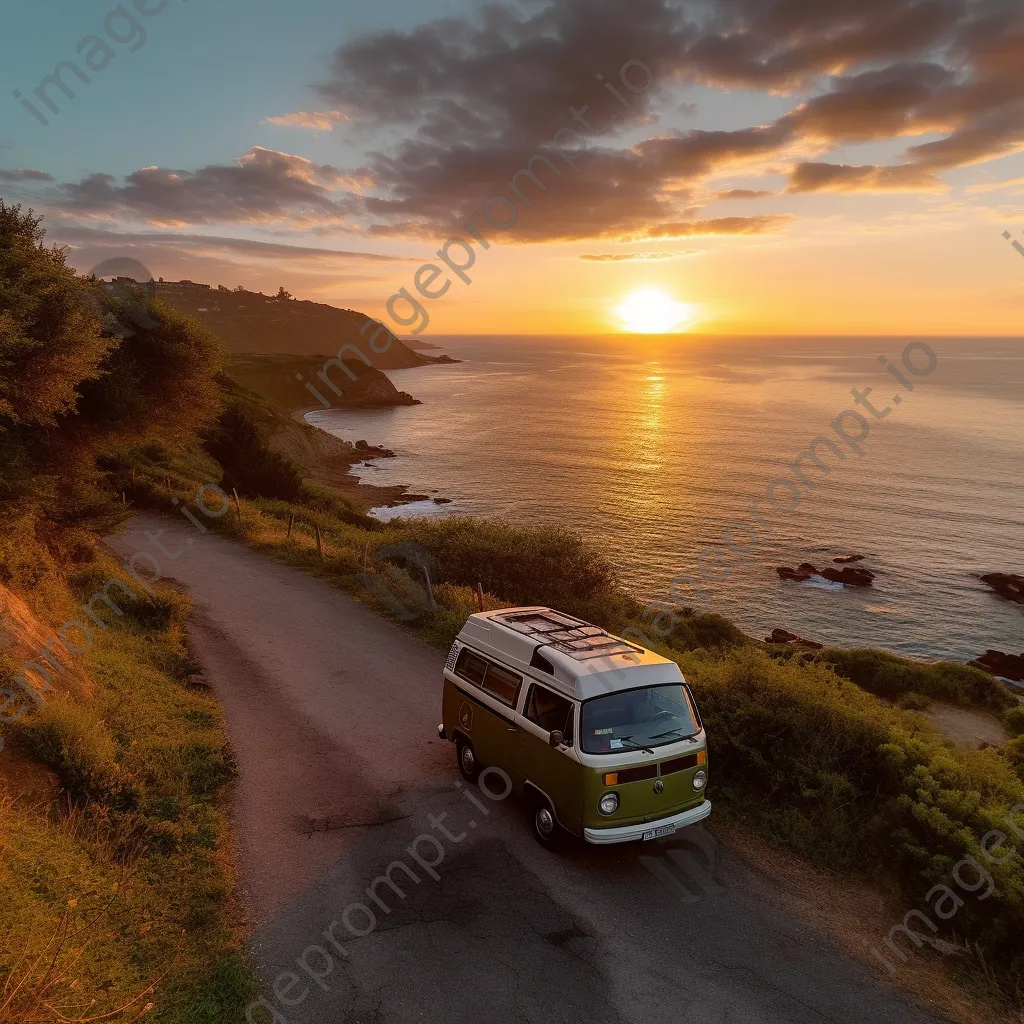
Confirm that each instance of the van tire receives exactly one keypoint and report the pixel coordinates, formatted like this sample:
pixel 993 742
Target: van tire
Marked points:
pixel 469 766
pixel 546 829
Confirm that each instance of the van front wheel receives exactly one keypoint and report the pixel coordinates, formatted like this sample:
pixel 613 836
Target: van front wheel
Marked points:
pixel 468 764
pixel 545 826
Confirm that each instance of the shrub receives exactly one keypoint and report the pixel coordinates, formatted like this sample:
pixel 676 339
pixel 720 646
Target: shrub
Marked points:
pixel 914 702
pixel 810 759
pixel 249 463
pixel 887 675
pixel 1014 720
pixel 522 565
pixel 1014 751
pixel 707 630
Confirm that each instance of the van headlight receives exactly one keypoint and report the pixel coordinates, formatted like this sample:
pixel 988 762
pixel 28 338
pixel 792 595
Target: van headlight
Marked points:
pixel 609 803
pixel 700 780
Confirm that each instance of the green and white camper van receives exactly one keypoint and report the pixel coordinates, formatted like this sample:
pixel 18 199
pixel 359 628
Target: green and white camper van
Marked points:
pixel 601 736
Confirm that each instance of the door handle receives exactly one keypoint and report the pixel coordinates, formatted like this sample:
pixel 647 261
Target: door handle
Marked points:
pixel 512 728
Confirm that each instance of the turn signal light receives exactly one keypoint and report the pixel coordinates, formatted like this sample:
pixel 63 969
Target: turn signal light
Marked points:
pixel 611 778
pixel 702 757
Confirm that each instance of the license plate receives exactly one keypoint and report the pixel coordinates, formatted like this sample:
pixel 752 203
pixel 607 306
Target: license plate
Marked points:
pixel 657 833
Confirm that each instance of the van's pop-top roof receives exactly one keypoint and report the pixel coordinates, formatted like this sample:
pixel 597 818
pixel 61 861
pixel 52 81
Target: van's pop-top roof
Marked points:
pixel 571 655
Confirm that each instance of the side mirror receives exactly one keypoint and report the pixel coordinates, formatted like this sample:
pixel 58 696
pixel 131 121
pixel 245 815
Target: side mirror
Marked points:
pixel 556 739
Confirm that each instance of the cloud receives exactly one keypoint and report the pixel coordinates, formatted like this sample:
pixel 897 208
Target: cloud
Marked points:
pixel 472 98
pixel 316 120
pixel 743 193
pixel 27 175
pixel 264 186
pixel 722 226
pixel 995 186
pixel 78 236
pixel 630 257
pixel 822 177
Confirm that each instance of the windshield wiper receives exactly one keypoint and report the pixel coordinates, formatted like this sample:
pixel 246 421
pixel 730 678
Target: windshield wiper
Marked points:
pixel 669 733
pixel 646 750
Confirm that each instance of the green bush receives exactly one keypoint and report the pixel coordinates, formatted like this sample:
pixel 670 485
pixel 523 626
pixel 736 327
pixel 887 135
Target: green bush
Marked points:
pixel 887 675
pixel 249 464
pixel 911 701
pixel 522 565
pixel 811 760
pixel 708 630
pixel 1014 720
pixel 1014 751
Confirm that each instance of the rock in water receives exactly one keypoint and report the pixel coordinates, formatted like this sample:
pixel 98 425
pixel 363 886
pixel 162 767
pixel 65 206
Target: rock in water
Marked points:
pixel 1009 666
pixel 1005 584
pixel 783 636
pixel 841 559
pixel 849 576
pixel 792 574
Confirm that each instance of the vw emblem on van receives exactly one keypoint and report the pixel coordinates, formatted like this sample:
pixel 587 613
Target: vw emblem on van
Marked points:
pixel 466 715
pixel 659 786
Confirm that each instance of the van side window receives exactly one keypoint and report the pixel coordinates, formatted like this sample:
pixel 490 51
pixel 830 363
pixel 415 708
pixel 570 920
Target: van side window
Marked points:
pixel 470 666
pixel 501 683
pixel 550 711
pixel 491 678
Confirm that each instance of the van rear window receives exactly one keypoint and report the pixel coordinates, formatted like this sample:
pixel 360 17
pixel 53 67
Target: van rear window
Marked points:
pixel 491 678
pixel 470 666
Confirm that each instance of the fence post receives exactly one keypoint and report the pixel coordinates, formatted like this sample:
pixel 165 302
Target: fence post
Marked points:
pixel 430 589
pixel 238 505
pixel 479 597
pixel 291 520
pixel 319 541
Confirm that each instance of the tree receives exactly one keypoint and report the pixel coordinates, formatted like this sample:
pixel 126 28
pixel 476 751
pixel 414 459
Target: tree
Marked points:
pixel 282 294
pixel 249 463
pixel 50 342
pixel 84 375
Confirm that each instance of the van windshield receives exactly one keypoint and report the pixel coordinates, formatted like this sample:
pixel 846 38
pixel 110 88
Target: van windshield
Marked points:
pixel 637 719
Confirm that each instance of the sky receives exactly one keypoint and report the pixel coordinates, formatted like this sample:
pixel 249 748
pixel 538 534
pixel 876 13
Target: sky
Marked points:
pixel 746 166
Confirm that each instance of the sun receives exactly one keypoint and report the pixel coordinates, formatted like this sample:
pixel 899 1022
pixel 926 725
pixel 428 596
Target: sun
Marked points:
pixel 651 311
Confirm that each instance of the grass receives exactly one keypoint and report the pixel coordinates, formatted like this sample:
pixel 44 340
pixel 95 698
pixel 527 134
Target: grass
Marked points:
pixel 118 891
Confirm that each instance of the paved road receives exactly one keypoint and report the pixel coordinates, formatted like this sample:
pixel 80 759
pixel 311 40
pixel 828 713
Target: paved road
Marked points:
pixel 332 713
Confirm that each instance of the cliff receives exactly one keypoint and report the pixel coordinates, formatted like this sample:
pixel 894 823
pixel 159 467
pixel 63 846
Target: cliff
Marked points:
pixel 252 323
pixel 278 378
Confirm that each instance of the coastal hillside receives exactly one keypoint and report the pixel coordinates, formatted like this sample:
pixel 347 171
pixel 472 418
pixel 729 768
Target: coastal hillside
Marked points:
pixel 251 322
pixel 268 394
pixel 283 379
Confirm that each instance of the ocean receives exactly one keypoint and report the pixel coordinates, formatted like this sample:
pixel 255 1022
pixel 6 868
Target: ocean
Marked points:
pixel 651 447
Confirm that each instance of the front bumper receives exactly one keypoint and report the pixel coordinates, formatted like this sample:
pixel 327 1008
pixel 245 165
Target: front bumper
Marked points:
pixel 626 834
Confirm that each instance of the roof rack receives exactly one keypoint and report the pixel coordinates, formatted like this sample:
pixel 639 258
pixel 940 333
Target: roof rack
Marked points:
pixel 580 640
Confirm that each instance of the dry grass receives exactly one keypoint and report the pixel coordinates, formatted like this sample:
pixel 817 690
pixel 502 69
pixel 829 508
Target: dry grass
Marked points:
pixel 117 886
